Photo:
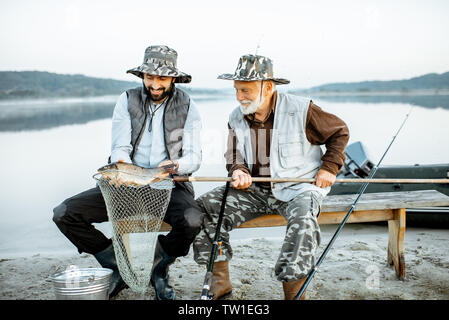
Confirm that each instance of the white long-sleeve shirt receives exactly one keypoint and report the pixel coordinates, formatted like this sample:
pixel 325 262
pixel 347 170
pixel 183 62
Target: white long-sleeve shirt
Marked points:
pixel 151 150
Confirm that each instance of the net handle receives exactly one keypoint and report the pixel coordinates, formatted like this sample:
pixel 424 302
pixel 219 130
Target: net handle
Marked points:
pixel 309 180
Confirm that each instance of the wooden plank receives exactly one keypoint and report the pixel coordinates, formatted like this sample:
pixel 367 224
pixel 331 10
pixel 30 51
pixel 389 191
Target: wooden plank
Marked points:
pixel 165 227
pixel 128 225
pixel 269 220
pixel 275 220
pixel 386 200
pixel 125 241
pixel 371 207
pixel 356 216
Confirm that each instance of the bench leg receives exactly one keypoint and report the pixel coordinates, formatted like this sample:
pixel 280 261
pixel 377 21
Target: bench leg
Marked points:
pixel 396 229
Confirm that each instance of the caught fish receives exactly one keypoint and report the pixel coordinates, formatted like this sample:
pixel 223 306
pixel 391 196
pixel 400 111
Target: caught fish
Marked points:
pixel 127 173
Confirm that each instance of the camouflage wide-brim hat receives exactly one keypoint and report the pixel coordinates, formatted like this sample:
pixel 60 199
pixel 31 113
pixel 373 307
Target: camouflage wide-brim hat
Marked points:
pixel 253 68
pixel 160 61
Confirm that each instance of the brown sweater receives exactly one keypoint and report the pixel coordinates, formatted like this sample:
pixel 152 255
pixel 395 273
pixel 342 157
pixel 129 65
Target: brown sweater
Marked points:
pixel 321 128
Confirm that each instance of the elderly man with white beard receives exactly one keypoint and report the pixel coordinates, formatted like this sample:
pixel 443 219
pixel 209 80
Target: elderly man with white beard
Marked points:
pixel 277 135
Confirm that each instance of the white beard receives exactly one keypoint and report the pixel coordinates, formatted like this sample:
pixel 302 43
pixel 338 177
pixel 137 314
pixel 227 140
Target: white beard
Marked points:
pixel 253 106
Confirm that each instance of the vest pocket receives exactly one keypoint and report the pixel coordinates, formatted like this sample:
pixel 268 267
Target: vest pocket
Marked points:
pixel 291 154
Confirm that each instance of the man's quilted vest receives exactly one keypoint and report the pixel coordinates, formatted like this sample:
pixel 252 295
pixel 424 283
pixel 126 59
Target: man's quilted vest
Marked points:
pixel 175 115
pixel 291 154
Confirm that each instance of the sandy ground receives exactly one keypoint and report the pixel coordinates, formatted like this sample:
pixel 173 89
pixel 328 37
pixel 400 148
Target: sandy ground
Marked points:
pixel 356 268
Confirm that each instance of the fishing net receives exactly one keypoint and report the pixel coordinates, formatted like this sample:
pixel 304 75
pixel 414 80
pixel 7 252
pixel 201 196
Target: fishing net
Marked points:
pixel 136 214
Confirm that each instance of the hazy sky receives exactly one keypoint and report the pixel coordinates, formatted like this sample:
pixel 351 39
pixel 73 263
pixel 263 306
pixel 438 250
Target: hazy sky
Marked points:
pixel 310 42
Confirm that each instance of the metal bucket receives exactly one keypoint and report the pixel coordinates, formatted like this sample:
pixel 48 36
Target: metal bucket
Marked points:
pixel 82 283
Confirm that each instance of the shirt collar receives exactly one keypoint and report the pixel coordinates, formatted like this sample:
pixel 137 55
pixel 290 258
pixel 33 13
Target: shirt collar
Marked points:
pixel 155 105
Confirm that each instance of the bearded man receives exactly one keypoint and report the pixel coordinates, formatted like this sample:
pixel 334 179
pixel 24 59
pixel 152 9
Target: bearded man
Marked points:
pixel 153 125
pixel 277 135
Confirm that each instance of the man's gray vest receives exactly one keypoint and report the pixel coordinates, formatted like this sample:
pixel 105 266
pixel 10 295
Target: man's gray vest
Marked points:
pixel 291 154
pixel 175 115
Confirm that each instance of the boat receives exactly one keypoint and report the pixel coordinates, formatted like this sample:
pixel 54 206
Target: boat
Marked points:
pixel 358 165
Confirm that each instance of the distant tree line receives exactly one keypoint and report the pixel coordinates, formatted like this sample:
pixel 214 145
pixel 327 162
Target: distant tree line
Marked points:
pixel 431 81
pixel 39 84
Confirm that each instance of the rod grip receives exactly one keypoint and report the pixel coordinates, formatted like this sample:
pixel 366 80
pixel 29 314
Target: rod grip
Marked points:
pixel 206 286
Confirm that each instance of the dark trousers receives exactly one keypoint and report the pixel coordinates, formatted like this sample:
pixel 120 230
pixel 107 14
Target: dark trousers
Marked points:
pixel 74 217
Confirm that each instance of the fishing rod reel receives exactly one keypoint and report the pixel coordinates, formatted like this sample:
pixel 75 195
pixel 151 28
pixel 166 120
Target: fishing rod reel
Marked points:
pixel 357 162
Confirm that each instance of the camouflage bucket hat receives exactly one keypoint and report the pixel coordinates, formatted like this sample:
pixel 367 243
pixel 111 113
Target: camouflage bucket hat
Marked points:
pixel 253 68
pixel 160 61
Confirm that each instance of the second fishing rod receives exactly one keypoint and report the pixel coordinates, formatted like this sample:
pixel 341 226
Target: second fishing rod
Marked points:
pixel 340 227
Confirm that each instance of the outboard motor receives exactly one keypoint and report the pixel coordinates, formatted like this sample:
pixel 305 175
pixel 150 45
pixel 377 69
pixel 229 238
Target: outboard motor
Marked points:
pixel 357 163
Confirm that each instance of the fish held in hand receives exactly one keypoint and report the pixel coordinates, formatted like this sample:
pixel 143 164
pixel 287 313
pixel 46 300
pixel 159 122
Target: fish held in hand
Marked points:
pixel 129 174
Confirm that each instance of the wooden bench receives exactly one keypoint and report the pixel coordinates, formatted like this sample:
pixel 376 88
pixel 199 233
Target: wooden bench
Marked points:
pixel 371 207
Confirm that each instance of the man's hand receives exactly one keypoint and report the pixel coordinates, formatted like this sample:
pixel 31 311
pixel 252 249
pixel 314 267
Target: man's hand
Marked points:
pixel 240 180
pixel 324 179
pixel 172 171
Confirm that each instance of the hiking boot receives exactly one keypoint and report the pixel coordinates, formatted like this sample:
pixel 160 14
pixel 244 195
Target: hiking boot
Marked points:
pixel 220 284
pixel 107 260
pixel 159 274
pixel 291 289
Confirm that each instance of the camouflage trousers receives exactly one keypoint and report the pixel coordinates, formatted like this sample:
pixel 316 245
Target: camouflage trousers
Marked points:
pixel 302 238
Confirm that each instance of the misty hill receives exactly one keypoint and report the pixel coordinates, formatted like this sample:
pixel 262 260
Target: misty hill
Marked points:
pixel 39 84
pixel 431 81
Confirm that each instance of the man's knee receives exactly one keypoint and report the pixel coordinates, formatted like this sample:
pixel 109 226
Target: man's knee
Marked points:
pixel 59 213
pixel 210 202
pixel 305 205
pixel 194 220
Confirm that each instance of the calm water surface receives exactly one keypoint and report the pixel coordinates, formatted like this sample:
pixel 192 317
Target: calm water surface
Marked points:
pixel 47 163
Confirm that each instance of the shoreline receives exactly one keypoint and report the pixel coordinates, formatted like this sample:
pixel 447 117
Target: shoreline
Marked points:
pixel 222 93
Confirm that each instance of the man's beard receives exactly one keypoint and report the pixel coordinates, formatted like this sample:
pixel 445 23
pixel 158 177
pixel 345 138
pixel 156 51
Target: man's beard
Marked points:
pixel 156 98
pixel 253 106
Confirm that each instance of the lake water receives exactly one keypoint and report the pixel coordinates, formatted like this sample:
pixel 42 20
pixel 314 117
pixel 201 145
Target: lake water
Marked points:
pixel 51 149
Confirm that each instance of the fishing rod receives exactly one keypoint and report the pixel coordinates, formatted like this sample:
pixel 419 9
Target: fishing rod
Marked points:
pixel 334 237
pixel 213 254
